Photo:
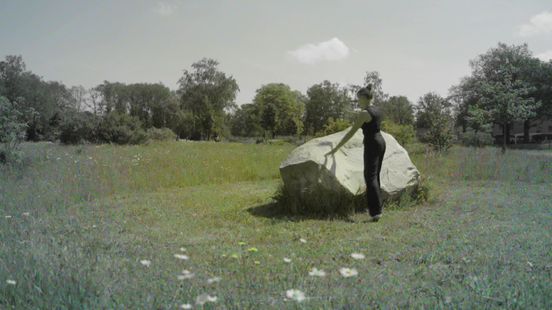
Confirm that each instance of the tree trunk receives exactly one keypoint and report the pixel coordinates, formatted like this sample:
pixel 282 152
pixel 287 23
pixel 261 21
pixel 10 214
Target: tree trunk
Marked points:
pixel 504 130
pixel 508 127
pixel 526 126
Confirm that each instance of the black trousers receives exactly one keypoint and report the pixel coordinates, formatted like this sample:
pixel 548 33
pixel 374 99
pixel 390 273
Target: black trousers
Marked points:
pixel 374 149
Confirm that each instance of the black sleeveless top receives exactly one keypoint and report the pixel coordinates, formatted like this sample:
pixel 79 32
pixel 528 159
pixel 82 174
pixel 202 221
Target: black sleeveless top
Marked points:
pixel 372 127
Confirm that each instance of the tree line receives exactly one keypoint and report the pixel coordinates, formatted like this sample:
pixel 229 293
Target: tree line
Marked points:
pixel 507 84
pixel 202 108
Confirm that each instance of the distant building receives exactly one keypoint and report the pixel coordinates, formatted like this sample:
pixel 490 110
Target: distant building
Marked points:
pixel 539 131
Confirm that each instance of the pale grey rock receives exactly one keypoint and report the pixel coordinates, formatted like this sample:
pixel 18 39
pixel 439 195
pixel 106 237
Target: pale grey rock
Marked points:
pixel 306 167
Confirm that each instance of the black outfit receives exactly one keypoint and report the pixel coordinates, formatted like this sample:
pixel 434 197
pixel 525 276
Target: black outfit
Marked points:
pixel 374 149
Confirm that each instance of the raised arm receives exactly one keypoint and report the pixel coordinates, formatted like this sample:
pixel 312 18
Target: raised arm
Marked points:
pixel 360 118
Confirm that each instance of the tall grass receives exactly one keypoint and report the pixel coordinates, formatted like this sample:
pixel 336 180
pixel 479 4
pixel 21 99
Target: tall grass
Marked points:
pixel 486 163
pixel 96 211
pixel 54 253
pixel 182 164
pixel 514 166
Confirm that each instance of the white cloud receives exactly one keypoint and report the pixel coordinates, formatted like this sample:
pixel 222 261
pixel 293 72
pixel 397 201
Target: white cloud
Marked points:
pixel 538 24
pixel 164 9
pixel 331 50
pixel 545 56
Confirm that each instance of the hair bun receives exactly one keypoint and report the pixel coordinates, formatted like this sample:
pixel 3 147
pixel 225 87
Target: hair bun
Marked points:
pixel 365 91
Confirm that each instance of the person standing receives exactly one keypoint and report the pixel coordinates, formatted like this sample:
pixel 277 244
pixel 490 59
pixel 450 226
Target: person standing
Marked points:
pixel 369 119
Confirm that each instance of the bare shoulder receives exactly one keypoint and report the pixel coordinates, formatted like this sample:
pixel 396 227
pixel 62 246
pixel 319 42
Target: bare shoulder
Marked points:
pixel 363 116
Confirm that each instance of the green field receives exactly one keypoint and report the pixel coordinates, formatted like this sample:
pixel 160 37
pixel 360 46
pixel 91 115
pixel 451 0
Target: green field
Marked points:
pixel 76 222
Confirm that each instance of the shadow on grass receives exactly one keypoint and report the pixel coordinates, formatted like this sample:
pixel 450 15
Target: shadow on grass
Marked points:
pixel 273 210
pixel 320 204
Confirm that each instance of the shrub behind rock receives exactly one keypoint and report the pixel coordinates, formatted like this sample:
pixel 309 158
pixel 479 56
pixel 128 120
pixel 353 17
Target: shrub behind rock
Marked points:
pixel 79 127
pixel 404 134
pixel 12 132
pixel 471 138
pixel 161 134
pixel 333 126
pixel 121 129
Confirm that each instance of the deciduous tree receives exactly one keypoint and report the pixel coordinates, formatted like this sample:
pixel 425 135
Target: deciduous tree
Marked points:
pixel 280 109
pixel 433 115
pixel 325 100
pixel 398 110
pixel 206 92
pixel 503 86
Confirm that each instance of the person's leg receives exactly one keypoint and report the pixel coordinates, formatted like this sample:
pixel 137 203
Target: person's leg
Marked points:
pixel 382 146
pixel 373 199
pixel 376 193
pixel 380 161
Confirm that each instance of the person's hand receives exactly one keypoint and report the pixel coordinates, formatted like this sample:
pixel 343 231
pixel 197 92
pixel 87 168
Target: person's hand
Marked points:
pixel 330 152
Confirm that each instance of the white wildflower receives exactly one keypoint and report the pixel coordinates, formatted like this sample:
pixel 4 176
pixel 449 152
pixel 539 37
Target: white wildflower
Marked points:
pixel 213 280
pixel 204 298
pixel 145 262
pixel 357 256
pixel 181 256
pixel 348 272
pixel 182 249
pixel 303 240
pixel 287 260
pixel 25 213
pixel 11 282
pixel 296 295
pixel 186 274
pixel 317 273
pixel 185 306
pixel 182 277
pixel 8 216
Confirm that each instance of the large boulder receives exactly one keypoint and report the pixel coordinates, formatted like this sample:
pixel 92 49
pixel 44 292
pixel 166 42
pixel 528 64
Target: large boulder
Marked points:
pixel 307 168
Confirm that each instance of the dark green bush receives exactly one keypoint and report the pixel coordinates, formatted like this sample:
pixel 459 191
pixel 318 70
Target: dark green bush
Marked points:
pixel 12 132
pixel 333 126
pixel 404 134
pixel 161 134
pixel 440 135
pixel 471 138
pixel 121 129
pixel 79 127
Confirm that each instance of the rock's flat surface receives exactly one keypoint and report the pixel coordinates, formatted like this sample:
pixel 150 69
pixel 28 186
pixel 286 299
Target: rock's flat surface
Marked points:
pixel 307 166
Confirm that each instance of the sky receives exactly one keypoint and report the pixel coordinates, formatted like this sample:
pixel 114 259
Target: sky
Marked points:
pixel 416 46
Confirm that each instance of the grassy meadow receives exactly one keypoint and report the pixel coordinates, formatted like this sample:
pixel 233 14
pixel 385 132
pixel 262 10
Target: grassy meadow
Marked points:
pixel 154 226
